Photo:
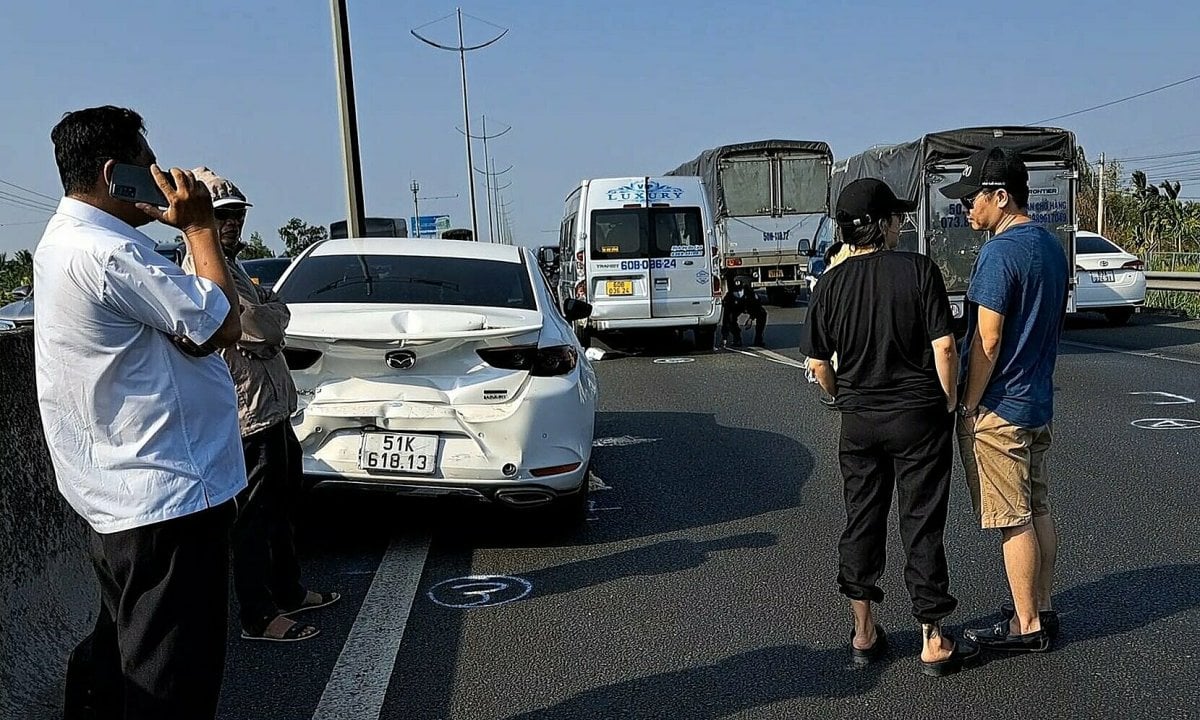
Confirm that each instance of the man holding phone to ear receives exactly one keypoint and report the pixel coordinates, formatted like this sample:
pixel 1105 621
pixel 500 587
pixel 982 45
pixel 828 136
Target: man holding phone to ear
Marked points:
pixel 144 438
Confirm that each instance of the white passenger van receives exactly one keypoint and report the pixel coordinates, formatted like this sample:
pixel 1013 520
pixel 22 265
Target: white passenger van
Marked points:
pixel 642 252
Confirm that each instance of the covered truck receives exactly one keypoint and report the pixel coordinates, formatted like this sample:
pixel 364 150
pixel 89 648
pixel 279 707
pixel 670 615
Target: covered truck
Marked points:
pixel 916 170
pixel 770 199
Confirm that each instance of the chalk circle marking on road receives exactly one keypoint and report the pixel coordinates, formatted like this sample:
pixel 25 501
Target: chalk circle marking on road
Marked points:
pixel 1172 398
pixel 478 591
pixel 1166 424
pixel 673 361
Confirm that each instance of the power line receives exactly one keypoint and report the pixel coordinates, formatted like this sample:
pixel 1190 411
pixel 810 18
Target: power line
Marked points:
pixel 32 192
pixel 24 202
pixel 1164 156
pixel 28 222
pixel 1117 102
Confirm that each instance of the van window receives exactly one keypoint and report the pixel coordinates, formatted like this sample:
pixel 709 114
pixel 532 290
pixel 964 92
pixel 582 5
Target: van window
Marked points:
pixel 631 233
pixel 619 234
pixel 676 229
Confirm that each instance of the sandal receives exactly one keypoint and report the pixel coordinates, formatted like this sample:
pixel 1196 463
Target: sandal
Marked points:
pixel 281 629
pixel 871 654
pixel 959 655
pixel 312 601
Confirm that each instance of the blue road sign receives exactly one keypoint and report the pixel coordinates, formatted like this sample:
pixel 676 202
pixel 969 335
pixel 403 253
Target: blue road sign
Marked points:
pixel 430 225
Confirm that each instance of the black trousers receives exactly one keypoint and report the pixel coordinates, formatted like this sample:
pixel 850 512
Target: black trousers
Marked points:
pixel 266 571
pixel 158 648
pixel 913 452
pixel 731 329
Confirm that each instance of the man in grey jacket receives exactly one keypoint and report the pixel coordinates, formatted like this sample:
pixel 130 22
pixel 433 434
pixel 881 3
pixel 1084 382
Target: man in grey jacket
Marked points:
pixel 266 573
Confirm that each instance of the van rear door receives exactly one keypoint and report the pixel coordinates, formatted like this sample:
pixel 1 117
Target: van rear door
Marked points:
pixel 680 263
pixel 618 263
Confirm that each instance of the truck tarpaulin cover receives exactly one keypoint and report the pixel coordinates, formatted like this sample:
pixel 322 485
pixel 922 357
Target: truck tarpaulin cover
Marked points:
pixel 900 165
pixel 707 167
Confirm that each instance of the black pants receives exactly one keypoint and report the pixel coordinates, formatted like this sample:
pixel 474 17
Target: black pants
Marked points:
pixel 912 451
pixel 158 648
pixel 266 572
pixel 731 329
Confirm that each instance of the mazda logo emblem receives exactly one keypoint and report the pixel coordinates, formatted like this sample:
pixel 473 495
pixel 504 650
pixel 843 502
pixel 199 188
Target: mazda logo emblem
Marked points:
pixel 1103 263
pixel 401 359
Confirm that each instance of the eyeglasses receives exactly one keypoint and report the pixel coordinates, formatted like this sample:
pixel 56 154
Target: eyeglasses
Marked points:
pixel 223 214
pixel 970 201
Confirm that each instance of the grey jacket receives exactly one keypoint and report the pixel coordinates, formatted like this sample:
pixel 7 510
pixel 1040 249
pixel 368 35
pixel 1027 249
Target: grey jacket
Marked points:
pixel 265 391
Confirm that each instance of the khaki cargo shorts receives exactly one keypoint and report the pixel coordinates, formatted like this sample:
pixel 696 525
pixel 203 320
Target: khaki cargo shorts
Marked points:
pixel 1006 470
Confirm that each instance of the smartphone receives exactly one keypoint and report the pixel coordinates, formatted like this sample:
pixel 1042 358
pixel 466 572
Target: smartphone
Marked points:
pixel 135 184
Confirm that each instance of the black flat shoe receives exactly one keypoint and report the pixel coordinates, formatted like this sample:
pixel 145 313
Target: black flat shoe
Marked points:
pixel 1049 619
pixel 998 637
pixel 871 654
pixel 960 657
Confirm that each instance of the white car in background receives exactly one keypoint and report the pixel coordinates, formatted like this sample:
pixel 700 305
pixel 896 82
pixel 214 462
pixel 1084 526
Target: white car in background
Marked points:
pixel 430 367
pixel 1108 280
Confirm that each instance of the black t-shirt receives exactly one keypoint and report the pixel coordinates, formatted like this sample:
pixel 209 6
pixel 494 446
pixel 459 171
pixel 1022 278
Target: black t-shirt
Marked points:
pixel 880 313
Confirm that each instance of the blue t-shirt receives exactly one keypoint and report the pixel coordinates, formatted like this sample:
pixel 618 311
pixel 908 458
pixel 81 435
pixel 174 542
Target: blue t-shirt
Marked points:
pixel 1022 274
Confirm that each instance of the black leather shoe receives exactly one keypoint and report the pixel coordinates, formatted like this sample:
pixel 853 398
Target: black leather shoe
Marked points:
pixel 871 654
pixel 1049 619
pixel 997 637
pixel 961 656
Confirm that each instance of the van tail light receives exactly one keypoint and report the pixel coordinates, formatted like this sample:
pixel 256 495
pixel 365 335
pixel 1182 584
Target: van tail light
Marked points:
pixel 300 358
pixel 733 262
pixel 1134 265
pixel 581 290
pixel 717 285
pixel 541 362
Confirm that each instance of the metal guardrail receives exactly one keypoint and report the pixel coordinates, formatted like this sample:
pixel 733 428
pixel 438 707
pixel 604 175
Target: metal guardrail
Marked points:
pixel 1175 281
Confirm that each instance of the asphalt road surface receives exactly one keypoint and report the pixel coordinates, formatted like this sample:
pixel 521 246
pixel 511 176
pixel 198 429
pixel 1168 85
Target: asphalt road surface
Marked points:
pixel 702 585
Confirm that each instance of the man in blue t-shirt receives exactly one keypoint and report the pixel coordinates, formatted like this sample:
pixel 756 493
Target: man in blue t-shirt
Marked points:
pixel 1016 296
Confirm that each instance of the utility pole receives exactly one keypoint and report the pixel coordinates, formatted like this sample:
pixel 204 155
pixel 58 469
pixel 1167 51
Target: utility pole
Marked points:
pixel 416 188
pixel 355 213
pixel 462 51
pixel 488 176
pixel 1100 200
pixel 496 189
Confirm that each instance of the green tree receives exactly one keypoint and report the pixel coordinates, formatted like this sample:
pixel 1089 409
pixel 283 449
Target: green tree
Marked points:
pixel 255 249
pixel 297 235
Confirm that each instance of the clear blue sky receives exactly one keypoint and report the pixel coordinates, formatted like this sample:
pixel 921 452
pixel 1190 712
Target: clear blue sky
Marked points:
pixel 623 87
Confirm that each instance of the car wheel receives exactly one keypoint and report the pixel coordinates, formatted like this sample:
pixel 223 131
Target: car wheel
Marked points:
pixel 1118 316
pixel 567 513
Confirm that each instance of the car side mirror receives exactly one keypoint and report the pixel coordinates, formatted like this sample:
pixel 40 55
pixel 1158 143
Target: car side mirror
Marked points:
pixel 576 309
pixel 22 292
pixel 548 256
pixel 805 247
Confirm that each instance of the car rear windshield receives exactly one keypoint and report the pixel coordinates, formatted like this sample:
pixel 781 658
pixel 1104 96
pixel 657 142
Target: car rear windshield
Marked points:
pixel 408 279
pixel 1091 245
pixel 267 271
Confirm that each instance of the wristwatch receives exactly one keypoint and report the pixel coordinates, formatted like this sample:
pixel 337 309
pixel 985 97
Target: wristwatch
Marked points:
pixel 964 411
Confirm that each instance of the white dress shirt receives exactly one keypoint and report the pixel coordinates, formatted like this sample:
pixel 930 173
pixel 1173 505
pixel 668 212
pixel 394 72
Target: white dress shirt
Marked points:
pixel 139 432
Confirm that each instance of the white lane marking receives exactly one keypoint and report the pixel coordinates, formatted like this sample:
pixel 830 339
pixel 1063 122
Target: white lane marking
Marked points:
pixel 476 591
pixel 673 360
pixel 596 484
pixel 359 681
pixel 1135 353
pixel 1178 399
pixel 1166 424
pixel 622 441
pixel 770 356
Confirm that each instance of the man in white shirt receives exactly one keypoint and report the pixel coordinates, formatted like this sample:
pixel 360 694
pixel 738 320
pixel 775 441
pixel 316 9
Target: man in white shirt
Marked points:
pixel 141 422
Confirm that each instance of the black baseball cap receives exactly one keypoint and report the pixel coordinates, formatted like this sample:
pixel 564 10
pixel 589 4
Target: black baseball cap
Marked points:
pixel 991 168
pixel 864 201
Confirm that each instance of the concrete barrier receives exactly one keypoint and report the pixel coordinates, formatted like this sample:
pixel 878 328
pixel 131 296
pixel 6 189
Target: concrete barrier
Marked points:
pixel 48 595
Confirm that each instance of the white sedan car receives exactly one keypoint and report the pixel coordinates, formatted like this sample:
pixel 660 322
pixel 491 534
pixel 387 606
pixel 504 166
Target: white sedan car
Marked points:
pixel 1108 280
pixel 431 367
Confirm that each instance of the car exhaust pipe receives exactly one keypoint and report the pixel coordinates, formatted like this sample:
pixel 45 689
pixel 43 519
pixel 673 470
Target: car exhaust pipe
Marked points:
pixel 525 497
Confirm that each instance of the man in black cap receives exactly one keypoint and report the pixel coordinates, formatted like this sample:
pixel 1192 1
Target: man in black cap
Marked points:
pixel 738 301
pixel 1016 300
pixel 887 317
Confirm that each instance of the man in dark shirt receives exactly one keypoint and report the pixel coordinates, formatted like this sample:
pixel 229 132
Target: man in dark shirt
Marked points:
pixel 1017 295
pixel 886 316
pixel 741 300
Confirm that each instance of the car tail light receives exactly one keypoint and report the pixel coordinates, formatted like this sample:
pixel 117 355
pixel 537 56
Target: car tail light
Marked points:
pixel 542 362
pixel 1134 265
pixel 554 470
pixel 300 358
